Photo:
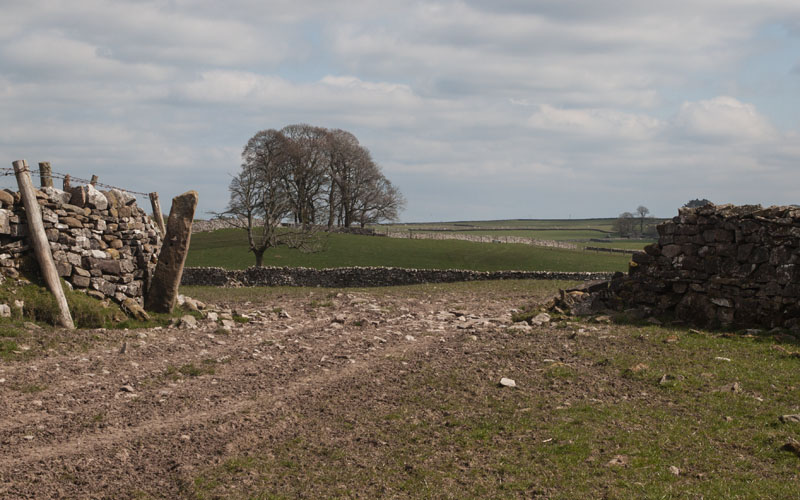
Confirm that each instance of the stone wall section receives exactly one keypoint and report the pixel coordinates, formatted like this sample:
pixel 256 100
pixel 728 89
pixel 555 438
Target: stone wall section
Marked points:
pixel 101 241
pixel 362 276
pixel 718 266
pixel 446 235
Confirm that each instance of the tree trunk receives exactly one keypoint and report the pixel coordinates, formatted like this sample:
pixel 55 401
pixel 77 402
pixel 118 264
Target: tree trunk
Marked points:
pixel 259 257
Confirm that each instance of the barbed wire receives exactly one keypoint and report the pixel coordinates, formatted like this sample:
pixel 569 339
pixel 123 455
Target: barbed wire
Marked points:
pixel 58 175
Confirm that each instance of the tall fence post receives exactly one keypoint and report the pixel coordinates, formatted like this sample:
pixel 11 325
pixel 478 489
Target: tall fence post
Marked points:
pixel 45 174
pixel 66 185
pixel 41 246
pixel 157 215
pixel 167 277
pixel 93 182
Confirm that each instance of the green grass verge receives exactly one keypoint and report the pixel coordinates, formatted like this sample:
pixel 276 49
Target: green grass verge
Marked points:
pixel 228 248
pixel 589 428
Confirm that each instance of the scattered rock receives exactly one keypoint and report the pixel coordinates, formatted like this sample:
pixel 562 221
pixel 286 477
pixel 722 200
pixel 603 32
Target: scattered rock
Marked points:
pixel 5 311
pixel 720 358
pixel 127 388
pixel 790 418
pixel 674 470
pixel 792 446
pixel 507 382
pixel 520 327
pixel 540 319
pixel 285 315
pixel 134 310
pixel 410 338
pixel 639 367
pixel 735 388
pixel 188 321
pixel 671 339
pixel 618 461
pixel 667 378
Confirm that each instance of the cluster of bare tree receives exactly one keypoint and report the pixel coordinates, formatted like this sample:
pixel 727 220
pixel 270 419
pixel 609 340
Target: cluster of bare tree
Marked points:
pixel 627 226
pixel 312 177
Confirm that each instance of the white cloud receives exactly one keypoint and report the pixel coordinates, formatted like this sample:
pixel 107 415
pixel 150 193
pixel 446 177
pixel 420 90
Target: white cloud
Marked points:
pixel 722 118
pixel 595 122
pixel 509 106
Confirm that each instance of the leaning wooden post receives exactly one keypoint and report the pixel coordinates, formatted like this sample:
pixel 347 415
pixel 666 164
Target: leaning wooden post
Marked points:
pixel 157 215
pixel 41 246
pixel 45 174
pixel 93 182
pixel 163 290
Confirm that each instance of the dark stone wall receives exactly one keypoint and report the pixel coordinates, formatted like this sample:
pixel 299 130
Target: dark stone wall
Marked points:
pixel 360 276
pixel 720 266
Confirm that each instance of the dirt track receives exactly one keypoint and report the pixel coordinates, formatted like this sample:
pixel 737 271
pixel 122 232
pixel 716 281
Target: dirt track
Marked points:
pixel 102 423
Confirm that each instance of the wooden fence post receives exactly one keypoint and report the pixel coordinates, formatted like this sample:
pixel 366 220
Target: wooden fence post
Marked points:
pixel 93 182
pixel 45 174
pixel 158 217
pixel 41 246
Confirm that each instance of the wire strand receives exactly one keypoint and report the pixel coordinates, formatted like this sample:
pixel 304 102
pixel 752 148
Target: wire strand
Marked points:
pixel 57 175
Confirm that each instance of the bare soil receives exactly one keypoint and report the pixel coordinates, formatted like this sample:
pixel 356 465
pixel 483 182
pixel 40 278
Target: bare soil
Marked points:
pixel 394 393
pixel 140 413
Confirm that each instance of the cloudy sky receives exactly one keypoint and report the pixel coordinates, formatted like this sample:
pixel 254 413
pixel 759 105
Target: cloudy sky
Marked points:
pixel 475 109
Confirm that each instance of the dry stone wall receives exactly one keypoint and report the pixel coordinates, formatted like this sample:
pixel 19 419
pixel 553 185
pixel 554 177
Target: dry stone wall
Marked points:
pixel 718 266
pixel 483 239
pixel 101 241
pixel 361 276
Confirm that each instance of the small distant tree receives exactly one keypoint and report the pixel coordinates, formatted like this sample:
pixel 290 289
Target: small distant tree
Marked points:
pixel 625 224
pixel 642 211
pixel 696 203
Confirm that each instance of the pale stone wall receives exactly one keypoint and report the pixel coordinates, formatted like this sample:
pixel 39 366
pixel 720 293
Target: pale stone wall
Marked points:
pixel 101 241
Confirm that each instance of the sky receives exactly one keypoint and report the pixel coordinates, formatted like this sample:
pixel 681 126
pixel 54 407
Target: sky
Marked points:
pixel 475 109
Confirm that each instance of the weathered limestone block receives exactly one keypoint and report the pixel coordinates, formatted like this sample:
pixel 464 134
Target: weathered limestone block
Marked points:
pixel 95 198
pixel 6 199
pixel 79 281
pixel 5 221
pixel 57 195
pixel 163 290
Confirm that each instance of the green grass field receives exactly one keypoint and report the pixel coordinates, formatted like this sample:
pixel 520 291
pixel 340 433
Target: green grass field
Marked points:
pixel 228 248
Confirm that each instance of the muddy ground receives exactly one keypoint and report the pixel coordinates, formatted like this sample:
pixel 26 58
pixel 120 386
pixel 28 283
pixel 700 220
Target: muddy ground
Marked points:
pixel 394 393
pixel 116 414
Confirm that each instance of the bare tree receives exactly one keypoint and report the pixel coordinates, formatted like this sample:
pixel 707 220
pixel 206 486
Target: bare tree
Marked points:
pixel 309 175
pixel 642 211
pixel 625 224
pixel 349 170
pixel 304 176
pixel 379 201
pixel 259 198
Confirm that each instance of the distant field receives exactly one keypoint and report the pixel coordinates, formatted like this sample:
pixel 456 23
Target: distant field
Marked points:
pixel 578 231
pixel 228 248
pixel 604 225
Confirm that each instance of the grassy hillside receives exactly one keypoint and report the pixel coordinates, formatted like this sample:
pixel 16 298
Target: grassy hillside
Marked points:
pixel 228 248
